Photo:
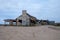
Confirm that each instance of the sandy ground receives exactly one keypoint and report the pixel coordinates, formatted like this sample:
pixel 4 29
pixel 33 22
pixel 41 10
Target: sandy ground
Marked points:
pixel 29 33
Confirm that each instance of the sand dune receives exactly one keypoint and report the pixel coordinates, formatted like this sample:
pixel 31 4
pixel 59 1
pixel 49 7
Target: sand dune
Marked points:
pixel 29 33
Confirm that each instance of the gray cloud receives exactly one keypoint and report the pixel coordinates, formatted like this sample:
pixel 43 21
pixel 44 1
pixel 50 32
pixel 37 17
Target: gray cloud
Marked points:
pixel 42 9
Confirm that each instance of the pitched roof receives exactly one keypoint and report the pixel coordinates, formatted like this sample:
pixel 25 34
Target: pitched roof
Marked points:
pixel 31 16
pixel 19 16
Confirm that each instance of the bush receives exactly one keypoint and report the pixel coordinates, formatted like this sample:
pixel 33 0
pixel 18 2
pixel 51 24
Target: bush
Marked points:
pixel 57 24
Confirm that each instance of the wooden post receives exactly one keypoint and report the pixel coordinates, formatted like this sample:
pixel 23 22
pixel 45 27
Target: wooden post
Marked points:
pixel 17 22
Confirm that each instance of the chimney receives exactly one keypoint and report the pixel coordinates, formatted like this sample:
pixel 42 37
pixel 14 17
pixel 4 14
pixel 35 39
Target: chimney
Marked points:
pixel 24 11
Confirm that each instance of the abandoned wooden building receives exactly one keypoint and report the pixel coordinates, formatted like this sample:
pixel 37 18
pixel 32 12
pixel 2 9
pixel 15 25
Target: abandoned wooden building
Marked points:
pixel 24 19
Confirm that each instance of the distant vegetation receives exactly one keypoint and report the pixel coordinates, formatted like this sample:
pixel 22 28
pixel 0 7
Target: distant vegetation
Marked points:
pixel 57 24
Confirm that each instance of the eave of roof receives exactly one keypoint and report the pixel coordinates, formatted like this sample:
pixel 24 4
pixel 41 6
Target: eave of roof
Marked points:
pixel 8 20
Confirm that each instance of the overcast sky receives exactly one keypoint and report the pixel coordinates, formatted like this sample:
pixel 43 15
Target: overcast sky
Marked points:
pixel 41 9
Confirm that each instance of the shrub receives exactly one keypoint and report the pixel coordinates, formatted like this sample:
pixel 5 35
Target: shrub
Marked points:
pixel 57 24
